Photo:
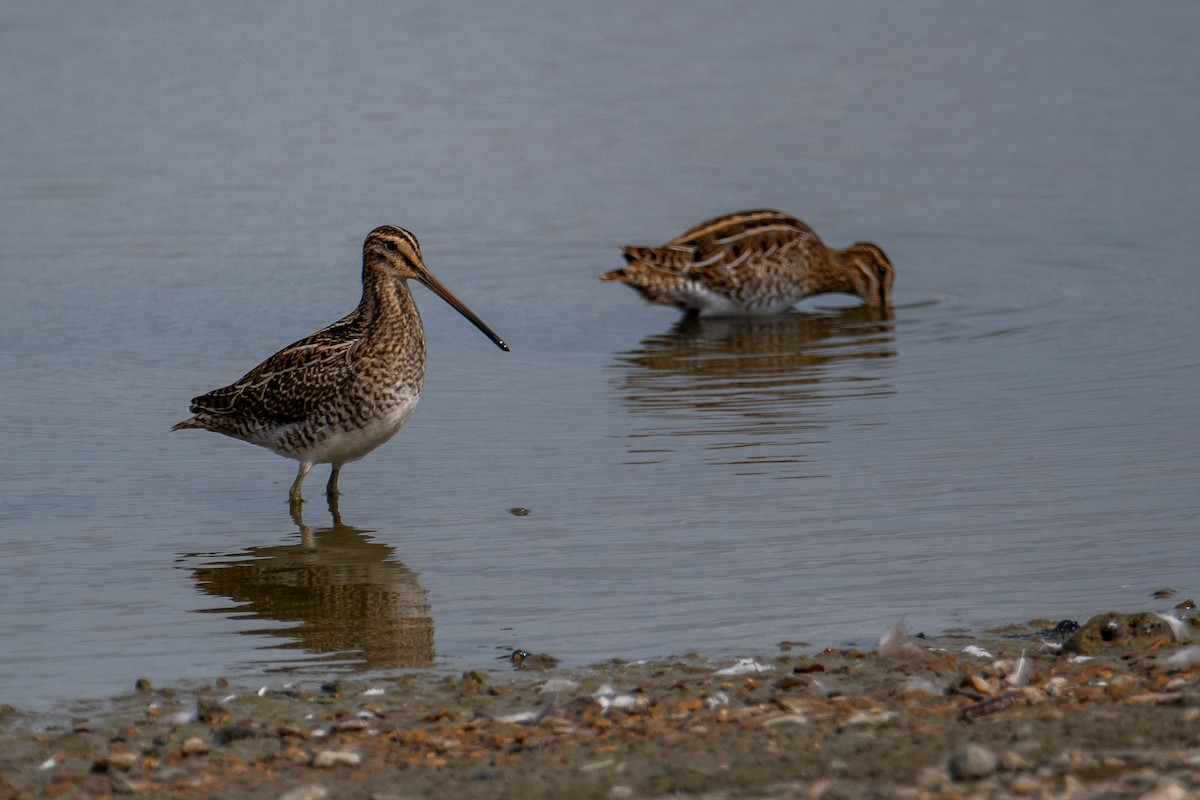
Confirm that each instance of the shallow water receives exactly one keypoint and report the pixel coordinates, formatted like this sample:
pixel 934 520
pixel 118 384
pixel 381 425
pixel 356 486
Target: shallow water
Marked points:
pixel 186 190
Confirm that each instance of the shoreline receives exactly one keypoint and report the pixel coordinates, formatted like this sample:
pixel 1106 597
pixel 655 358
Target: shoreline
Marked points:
pixel 1115 712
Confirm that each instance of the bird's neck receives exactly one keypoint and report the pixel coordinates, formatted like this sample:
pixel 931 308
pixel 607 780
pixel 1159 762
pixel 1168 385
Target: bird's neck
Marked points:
pixel 387 306
pixel 834 273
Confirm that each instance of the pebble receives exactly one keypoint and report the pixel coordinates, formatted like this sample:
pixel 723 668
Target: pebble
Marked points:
pixel 295 755
pixel 290 729
pixel 785 719
pixel 971 762
pixel 1012 761
pixel 123 760
pixel 1168 789
pixel 229 734
pixel 194 746
pixel 979 684
pixel 312 791
pixel 1026 785
pixel 325 759
pixel 118 783
pixel 674 703
pixel 932 779
pixel 873 719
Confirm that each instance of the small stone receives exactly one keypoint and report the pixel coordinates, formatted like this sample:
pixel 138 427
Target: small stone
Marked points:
pixel 519 511
pixel 143 685
pixel 194 746
pixel 232 733
pixel 785 719
pixel 211 712
pixel 1112 631
pixel 868 719
pixel 1167 789
pixel 1072 787
pixel 971 762
pixel 294 755
pixel 285 729
pixel 979 684
pixel 1012 761
pixel 326 759
pixel 119 783
pixel 1025 785
pixel 789 705
pixel 122 760
pixel 310 792
pixel 932 779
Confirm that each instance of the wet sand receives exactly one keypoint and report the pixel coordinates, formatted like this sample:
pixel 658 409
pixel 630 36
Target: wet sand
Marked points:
pixel 1012 713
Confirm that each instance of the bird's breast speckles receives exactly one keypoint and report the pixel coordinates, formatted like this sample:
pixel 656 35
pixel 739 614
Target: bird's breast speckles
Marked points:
pixel 348 431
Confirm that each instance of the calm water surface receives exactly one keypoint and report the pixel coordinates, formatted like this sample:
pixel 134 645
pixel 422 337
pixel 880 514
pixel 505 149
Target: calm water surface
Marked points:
pixel 186 189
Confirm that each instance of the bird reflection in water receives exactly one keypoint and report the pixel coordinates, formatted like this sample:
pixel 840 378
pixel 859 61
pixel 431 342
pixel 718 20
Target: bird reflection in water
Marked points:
pixel 343 597
pixel 753 391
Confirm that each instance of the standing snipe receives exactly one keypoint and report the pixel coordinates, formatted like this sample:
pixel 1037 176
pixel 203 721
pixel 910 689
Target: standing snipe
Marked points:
pixel 338 394
pixel 753 262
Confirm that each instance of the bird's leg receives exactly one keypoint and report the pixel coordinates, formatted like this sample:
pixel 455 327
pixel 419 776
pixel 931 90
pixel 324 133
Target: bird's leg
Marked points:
pixel 334 511
pixel 297 516
pixel 331 488
pixel 294 497
pixel 307 540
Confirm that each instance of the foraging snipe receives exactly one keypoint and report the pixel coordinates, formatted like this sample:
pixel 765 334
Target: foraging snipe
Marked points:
pixel 338 394
pixel 752 262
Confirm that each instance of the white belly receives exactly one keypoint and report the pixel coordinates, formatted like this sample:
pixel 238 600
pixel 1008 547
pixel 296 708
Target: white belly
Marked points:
pixel 338 445
pixel 716 304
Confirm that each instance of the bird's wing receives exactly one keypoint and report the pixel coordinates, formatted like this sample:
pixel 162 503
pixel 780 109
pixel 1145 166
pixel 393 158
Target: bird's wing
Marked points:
pixel 726 252
pixel 291 384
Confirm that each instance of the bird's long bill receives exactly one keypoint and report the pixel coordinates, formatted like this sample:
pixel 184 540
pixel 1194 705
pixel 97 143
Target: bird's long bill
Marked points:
pixel 441 291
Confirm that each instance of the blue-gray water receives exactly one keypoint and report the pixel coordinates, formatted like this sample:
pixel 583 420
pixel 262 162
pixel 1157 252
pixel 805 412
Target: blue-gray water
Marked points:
pixel 185 188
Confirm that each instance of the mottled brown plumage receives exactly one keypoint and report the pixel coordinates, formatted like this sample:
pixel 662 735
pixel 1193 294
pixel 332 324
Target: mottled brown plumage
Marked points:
pixel 336 395
pixel 753 262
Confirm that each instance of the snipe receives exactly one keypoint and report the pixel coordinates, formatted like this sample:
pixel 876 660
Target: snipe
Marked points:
pixel 336 395
pixel 752 262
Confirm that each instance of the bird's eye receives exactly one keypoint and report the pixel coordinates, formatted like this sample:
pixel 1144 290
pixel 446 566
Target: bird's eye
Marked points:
pixel 881 270
pixel 390 245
